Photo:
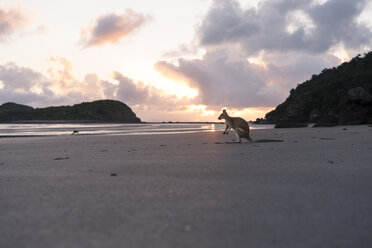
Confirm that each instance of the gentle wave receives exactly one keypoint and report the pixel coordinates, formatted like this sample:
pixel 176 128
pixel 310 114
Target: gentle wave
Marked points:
pixel 22 130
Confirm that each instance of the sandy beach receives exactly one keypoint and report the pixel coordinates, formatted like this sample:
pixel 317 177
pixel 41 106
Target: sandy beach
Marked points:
pixel 314 189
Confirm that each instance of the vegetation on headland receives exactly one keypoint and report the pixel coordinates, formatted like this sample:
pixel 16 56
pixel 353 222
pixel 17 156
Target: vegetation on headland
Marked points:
pixel 97 111
pixel 337 96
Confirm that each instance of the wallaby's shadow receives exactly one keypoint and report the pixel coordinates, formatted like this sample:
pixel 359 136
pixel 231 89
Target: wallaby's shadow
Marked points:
pixel 255 141
pixel 266 140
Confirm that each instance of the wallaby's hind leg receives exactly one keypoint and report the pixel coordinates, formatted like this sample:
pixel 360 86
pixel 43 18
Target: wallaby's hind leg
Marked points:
pixel 248 137
pixel 239 135
pixel 243 134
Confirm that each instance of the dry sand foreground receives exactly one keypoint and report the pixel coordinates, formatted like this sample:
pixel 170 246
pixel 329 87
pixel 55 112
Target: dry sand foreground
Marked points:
pixel 185 190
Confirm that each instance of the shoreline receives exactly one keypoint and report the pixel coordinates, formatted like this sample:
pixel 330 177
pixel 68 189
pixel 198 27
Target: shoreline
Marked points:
pixel 66 131
pixel 55 129
pixel 105 122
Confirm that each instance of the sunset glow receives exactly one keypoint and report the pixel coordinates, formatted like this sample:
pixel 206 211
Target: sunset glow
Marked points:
pixel 341 53
pixel 250 114
pixel 174 60
pixel 202 109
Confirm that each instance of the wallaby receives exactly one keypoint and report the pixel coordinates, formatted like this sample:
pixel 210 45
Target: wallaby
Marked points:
pixel 239 125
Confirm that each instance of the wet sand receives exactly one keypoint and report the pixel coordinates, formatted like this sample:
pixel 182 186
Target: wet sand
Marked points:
pixel 188 190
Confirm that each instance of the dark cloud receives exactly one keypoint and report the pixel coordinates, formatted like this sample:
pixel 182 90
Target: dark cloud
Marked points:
pixel 24 85
pixel 109 89
pixel 11 20
pixel 220 82
pixel 133 93
pixel 111 28
pixel 18 78
pixel 293 68
pixel 235 82
pixel 336 22
pixel 227 22
pixel 315 28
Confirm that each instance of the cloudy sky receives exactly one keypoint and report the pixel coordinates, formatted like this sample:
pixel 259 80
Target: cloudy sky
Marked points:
pixel 179 60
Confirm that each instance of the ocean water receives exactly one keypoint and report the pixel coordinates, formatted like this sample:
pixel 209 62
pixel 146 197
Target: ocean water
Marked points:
pixel 24 130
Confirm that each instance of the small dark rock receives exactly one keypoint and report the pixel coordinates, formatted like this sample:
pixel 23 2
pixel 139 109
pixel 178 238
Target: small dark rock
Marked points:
pixel 113 174
pixel 61 158
pixel 324 124
pixel 290 125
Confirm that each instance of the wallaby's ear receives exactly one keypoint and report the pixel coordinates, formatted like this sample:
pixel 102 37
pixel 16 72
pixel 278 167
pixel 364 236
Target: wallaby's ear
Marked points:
pixel 224 111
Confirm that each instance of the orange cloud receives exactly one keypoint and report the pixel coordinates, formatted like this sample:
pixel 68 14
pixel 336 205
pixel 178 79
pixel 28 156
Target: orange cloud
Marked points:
pixel 111 28
pixel 11 20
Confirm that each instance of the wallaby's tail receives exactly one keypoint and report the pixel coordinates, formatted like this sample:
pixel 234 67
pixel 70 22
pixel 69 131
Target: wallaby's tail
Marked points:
pixel 247 136
pixel 244 133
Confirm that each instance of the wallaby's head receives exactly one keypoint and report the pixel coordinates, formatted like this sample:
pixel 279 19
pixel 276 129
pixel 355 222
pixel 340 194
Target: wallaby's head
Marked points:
pixel 223 115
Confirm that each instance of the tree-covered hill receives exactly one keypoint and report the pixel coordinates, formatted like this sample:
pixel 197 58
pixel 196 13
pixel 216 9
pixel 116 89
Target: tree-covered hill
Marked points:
pixel 339 95
pixel 97 111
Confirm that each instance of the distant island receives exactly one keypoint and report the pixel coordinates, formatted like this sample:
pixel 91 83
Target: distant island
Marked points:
pixel 97 111
pixel 337 96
